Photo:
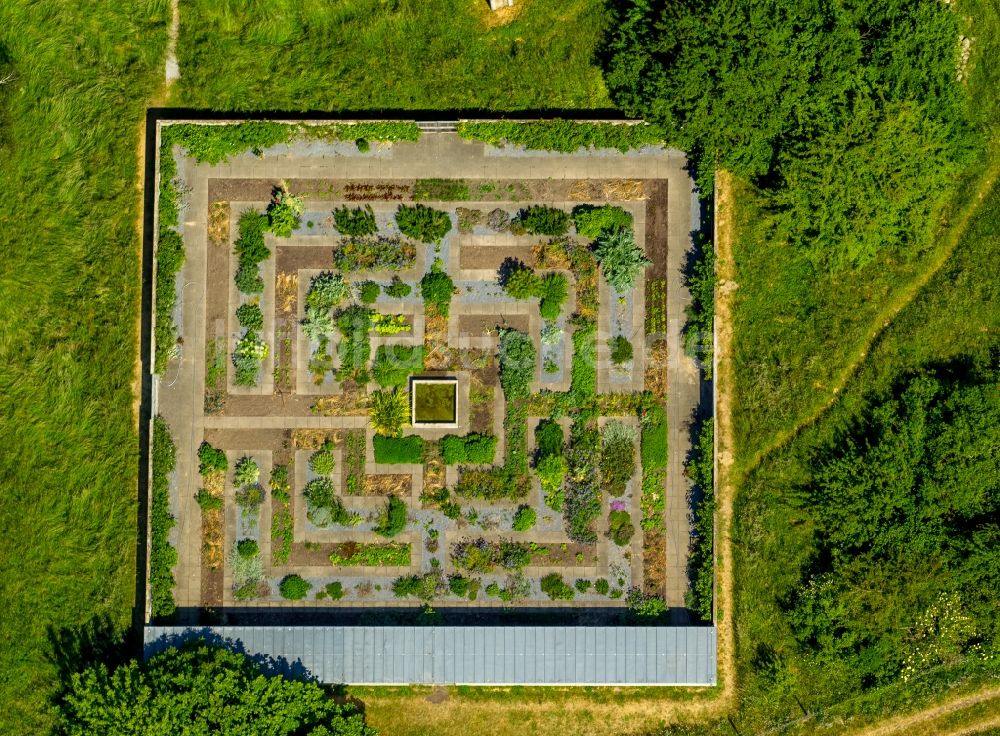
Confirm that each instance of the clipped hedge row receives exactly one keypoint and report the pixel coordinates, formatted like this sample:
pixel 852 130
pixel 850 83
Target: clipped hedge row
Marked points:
pixel 565 136
pixel 472 449
pixel 395 450
pixel 162 557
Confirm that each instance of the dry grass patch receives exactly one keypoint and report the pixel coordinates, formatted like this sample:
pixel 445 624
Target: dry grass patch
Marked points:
pixel 287 291
pixel 656 369
pixel 218 224
pixel 347 404
pixel 396 484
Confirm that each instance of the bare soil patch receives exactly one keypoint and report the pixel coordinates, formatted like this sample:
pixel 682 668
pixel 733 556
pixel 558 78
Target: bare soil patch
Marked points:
pixel 296 258
pixel 480 325
pixel 492 256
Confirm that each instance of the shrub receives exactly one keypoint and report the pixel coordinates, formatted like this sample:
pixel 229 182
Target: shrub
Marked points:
pixel 389 411
pixel 249 245
pixel 582 585
pixel 368 292
pixel 550 333
pixel 437 288
pixel 394 450
pixel 322 461
pixel 424 587
pixel 334 590
pixel 520 282
pixel 385 554
pixel 211 460
pixel 395 363
pixel 583 376
pixel 621 259
pixel 553 290
pixel 479 555
pixel 601 586
pixel 517 364
pixel 524 518
pixel 542 220
pixel 327 290
pixel 247 548
pixel 591 221
pixel 357 221
pixel 284 214
pixel 459 585
pixel 247 472
pixel 548 438
pixel 647 606
pixel 250 317
pixel 373 253
pixel 354 350
pixel 397 289
pixel 392 519
pixel 162 556
pixel 617 456
pixel 294 587
pixel 208 502
pixel 423 223
pixel 249 354
pixel 498 220
pixel 621 350
pixel 620 527
pixel 362 145
pixel 472 449
pixel 248 279
pixel 324 506
pixel 551 471
pixel 318 323
pixel 555 587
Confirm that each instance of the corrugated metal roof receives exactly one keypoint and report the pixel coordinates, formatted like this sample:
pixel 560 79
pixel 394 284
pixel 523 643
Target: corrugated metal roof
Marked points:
pixel 469 655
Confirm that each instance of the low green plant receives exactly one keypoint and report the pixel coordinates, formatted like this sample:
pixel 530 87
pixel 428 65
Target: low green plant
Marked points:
pixel 394 364
pixel 162 556
pixel 556 588
pixel 459 585
pixel 543 220
pixel 617 456
pixel 368 292
pixel 583 374
pixel 334 591
pixel 551 471
pixel 246 473
pixel 322 461
pixel 699 335
pixel 294 587
pixel 524 518
pixel 248 356
pixel 385 554
pixel 250 316
pixel 208 502
pixel 394 450
pixel 517 364
pixel 520 282
pixel 389 411
pixel 373 253
pixel 591 221
pixel 565 136
pixel 357 221
pixel 469 449
pixel 548 438
pixel 354 351
pixel 621 350
pixel 646 606
pixel 392 519
pixel 284 213
pixel 251 251
pixel 437 288
pixel 211 459
pixel 169 259
pixel 581 585
pixel 601 586
pixel 620 257
pixel 620 527
pixel 324 507
pixel 701 562
pixel 440 190
pixel 553 289
pixel 326 290
pixel 397 288
pixel 423 223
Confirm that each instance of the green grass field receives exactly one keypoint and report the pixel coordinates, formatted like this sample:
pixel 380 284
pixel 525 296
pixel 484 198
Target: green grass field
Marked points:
pixel 389 54
pixel 70 283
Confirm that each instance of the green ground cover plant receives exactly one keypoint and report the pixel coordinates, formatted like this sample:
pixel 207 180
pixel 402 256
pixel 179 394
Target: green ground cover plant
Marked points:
pixel 582 490
pixel 440 190
pixel 517 364
pixel 393 450
pixel 394 364
pixel 373 253
pixel 472 449
pixel 282 523
pixel 423 223
pixel 162 556
pixel 374 554
pixel 553 291
pixel 327 290
pixel 357 221
pixel 249 316
pixel 324 507
pixel 368 292
pixel 620 527
pixel 620 349
pixel 481 555
pixel 322 461
pixel 354 323
pixel 251 251
pixel 653 455
pixel 592 220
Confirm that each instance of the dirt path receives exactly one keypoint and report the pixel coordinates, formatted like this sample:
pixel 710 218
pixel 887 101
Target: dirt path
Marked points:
pixel 915 723
pixel 725 482
pixel 885 318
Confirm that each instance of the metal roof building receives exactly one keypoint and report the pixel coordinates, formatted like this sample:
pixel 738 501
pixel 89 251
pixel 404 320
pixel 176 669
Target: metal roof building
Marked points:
pixel 470 655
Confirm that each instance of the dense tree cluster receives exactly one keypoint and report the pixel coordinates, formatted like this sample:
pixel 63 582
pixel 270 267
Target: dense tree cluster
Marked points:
pixel 848 113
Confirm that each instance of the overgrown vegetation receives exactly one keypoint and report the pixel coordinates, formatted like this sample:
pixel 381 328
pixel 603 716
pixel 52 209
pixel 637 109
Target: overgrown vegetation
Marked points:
pixel 699 329
pixel 162 556
pixel 394 364
pixel 563 135
pixel 357 221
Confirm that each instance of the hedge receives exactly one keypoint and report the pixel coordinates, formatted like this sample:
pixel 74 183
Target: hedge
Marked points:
pixel 162 557
pixel 471 449
pixel 395 450
pixel 563 135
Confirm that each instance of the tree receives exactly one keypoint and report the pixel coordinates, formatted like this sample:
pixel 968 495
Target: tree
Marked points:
pixel 200 689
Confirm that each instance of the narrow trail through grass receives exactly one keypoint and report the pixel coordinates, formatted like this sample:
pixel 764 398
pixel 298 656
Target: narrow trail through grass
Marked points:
pixel 903 298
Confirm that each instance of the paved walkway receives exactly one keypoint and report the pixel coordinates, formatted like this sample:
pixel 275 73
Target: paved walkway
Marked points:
pixel 181 390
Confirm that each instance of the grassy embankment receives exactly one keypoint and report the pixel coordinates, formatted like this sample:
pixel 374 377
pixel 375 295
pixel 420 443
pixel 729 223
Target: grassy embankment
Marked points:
pixel 70 122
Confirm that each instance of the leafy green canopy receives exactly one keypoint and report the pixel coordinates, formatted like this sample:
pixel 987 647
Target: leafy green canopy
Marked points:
pixel 199 689
pixel 849 113
pixel 907 505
